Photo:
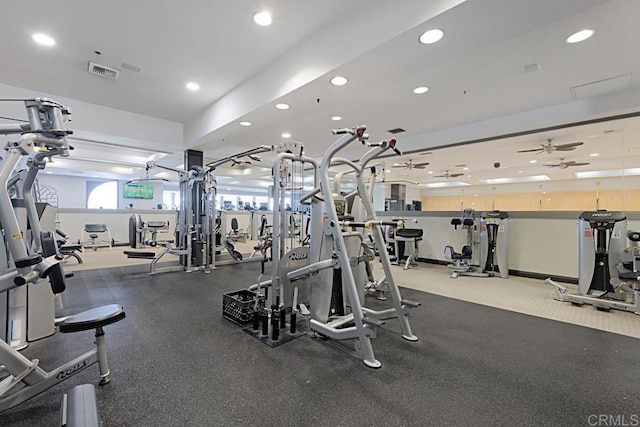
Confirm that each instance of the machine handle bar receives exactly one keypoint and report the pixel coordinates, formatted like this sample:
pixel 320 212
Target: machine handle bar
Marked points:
pixel 359 131
pixel 369 224
pixel 392 145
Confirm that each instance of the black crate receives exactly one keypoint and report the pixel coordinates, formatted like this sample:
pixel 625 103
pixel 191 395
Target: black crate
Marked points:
pixel 238 306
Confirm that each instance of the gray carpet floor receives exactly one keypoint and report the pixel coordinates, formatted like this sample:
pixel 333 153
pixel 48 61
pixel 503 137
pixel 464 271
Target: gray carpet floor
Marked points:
pixel 176 362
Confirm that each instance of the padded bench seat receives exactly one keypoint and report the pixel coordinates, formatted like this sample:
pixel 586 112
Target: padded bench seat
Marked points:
pixel 140 254
pixel 409 233
pixel 93 318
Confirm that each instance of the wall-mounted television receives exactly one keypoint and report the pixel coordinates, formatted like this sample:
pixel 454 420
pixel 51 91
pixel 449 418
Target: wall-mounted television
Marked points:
pixel 138 191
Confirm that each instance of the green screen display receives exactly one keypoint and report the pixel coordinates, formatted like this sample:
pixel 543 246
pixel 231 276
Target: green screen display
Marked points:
pixel 138 191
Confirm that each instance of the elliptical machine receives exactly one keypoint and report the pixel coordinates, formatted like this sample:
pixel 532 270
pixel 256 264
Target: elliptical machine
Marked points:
pixel 463 262
pixel 606 279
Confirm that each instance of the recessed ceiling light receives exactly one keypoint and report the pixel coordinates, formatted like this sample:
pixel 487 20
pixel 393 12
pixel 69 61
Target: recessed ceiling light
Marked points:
pixel 533 161
pixel 282 106
pixel 43 39
pixel 431 36
pixel 245 123
pixel 594 154
pixel 286 135
pixel 430 172
pixel 465 169
pixel 520 171
pixel 339 81
pixel 387 170
pixel 263 18
pixel 580 36
pixel 420 90
pixel 336 118
pixel 193 86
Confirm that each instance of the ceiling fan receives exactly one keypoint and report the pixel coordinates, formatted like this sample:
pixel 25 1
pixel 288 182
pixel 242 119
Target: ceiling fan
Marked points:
pixel 240 163
pixel 564 165
pixel 410 165
pixel 448 175
pixel 550 148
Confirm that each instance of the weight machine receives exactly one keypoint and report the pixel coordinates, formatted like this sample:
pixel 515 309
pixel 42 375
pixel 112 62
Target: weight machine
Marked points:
pixel 466 262
pixel 494 229
pixel 35 258
pixel 197 225
pixel 287 247
pixel 609 266
pixel 332 255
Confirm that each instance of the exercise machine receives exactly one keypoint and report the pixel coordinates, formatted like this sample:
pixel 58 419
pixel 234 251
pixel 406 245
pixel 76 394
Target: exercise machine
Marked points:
pixel 198 224
pixel 332 248
pixel 285 247
pixel 90 236
pixel 494 228
pixel 22 378
pixel 608 261
pixel 138 230
pixel 406 238
pixel 463 262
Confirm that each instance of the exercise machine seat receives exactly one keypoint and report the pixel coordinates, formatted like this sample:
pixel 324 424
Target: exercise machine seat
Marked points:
pixel 466 253
pixel 629 275
pixel 140 254
pixel 410 233
pixel 93 318
pixel 157 224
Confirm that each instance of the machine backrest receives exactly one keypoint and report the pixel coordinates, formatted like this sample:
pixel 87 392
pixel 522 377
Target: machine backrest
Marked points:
pixel 448 252
pixel 234 224
pixel 95 228
pixel 263 225
pixel 466 251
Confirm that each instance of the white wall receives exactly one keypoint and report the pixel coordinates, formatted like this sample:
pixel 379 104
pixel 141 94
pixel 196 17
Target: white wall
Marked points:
pixel 72 192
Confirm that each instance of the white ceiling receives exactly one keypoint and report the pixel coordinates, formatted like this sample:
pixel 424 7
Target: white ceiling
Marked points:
pixel 475 74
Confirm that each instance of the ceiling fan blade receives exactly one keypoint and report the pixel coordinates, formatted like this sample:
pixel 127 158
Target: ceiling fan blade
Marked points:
pixel 398 166
pixel 453 175
pixel 439 176
pixel 539 150
pixel 577 164
pixel 565 148
pixel 555 166
pixel 420 164
pixel 567 145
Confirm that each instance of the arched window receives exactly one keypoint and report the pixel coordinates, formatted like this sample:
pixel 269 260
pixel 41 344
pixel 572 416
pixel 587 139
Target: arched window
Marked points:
pixel 102 195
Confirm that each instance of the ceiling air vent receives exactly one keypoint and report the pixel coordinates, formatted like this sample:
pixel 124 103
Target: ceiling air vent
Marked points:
pixel 396 130
pixel 103 71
